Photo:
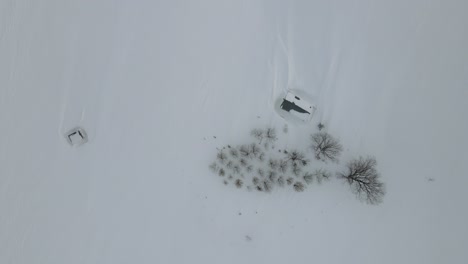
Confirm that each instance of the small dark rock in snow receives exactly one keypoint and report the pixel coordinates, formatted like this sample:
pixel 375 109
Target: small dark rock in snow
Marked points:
pixel 248 238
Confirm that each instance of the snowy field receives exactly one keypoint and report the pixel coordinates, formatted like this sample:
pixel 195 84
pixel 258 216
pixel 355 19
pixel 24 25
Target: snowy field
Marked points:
pixel 160 85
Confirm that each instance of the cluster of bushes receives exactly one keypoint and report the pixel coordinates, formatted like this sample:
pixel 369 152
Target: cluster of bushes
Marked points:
pixel 261 167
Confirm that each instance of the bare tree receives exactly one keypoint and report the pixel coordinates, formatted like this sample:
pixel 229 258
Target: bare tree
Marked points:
pixel 280 181
pixel 234 153
pixel 244 151
pixel 326 147
pixel 296 158
pixel 243 162
pixel 250 151
pixel 318 175
pixel 258 134
pixel 255 180
pixel 261 157
pixel 308 177
pixel 270 135
pixel 296 170
pixel 236 168
pixel 299 187
pixel 239 183
pixel 283 166
pixel 272 176
pixel 214 167
pixel 364 179
pixel 221 172
pixel 273 164
pixel 267 186
pixel 254 150
pixel 261 172
pixel 222 157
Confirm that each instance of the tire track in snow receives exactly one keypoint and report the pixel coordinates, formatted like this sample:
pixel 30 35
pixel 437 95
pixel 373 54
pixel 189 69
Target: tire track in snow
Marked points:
pixel 280 67
pixel 89 74
pixel 8 25
pixel 328 89
pixel 8 9
pixel 283 65
pixel 203 87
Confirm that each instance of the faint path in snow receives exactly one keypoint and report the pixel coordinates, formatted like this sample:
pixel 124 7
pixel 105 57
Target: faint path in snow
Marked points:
pixel 281 64
pixel 7 9
pixel 327 91
pixel 204 89
pixel 90 71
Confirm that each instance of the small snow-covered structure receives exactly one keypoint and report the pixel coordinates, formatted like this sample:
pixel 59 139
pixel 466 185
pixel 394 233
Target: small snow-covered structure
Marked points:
pixel 297 106
pixel 77 136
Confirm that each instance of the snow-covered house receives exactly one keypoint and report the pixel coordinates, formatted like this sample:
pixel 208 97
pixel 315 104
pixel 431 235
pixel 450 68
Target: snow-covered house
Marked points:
pixel 298 106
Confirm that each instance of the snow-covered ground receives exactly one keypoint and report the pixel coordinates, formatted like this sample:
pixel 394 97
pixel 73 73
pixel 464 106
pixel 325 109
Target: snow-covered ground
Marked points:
pixel 159 85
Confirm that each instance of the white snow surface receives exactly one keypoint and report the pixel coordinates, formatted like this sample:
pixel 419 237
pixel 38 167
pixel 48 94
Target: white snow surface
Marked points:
pixel 159 85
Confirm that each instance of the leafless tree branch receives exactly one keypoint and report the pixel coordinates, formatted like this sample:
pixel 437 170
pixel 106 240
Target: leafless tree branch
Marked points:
pixel 326 147
pixel 364 179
